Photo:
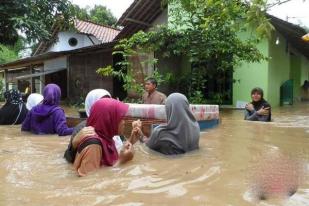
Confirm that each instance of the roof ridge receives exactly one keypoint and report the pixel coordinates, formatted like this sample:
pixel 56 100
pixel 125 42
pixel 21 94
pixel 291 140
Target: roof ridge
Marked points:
pixel 103 25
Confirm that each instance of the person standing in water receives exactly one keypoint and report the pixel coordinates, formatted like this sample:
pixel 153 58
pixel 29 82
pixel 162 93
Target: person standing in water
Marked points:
pixel 14 111
pixel 48 117
pixel 181 134
pixel 152 96
pixel 259 109
pixel 91 98
pixel 95 144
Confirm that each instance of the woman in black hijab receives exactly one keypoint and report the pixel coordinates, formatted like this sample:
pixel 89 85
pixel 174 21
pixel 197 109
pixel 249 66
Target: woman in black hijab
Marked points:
pixel 259 109
pixel 14 111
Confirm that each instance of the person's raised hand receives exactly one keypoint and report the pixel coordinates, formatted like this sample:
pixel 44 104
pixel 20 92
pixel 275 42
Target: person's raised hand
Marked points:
pixel 137 123
pixel 249 107
pixel 263 111
pixel 126 153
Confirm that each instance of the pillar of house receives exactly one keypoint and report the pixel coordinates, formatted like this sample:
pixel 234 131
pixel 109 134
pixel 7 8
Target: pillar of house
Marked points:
pixel 6 79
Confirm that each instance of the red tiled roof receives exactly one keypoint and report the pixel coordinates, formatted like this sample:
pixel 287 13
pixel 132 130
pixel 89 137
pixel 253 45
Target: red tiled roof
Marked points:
pixel 103 33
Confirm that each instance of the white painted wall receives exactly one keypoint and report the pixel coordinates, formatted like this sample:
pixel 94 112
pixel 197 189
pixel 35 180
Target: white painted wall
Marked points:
pixel 162 19
pixel 63 41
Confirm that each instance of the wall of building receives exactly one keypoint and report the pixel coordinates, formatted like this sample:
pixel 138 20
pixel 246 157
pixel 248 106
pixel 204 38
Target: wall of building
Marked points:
pixel 82 76
pixel 295 74
pixel 304 71
pixel 279 67
pixel 249 75
pixel 63 41
pixel 54 64
pixel 162 19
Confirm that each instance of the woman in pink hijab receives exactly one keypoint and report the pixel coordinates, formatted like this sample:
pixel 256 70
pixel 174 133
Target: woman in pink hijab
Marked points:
pixel 97 148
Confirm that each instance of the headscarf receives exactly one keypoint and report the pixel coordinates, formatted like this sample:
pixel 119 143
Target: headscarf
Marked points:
pixel 33 100
pixel 182 129
pixel 93 96
pixel 52 94
pixel 105 117
pixel 13 96
pixel 14 111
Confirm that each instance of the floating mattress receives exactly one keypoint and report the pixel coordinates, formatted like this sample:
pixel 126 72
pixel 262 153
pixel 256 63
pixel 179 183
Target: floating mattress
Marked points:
pixel 151 111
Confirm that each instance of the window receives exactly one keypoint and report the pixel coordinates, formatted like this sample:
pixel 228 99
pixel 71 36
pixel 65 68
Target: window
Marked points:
pixel 73 42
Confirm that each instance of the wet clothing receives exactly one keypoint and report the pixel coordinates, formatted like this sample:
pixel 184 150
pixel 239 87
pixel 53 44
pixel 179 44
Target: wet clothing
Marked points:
pixel 71 152
pixel 254 116
pixel 88 159
pixel 182 132
pixel 154 98
pixel 105 117
pixel 91 98
pixel 14 111
pixel 48 117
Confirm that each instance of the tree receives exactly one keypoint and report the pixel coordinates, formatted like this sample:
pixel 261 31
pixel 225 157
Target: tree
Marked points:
pixel 10 53
pixel 32 18
pixel 99 14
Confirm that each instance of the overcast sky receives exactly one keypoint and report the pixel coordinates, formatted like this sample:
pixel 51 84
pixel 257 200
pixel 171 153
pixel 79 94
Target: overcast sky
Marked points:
pixel 296 10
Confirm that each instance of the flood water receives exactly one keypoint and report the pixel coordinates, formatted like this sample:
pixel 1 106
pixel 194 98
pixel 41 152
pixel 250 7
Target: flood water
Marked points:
pixel 33 171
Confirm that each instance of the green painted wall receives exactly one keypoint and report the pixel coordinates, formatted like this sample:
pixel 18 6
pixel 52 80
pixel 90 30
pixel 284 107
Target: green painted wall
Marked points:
pixel 304 71
pixel 250 75
pixel 295 74
pixel 279 68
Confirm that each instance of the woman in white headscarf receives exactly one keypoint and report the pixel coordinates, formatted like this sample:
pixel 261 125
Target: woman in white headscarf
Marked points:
pixel 91 98
pixel 94 96
pixel 33 100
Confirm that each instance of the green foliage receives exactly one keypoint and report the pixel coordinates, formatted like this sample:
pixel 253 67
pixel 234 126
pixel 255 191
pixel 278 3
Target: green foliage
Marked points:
pixel 99 14
pixel 126 73
pixel 7 54
pixel 33 18
pixel 197 98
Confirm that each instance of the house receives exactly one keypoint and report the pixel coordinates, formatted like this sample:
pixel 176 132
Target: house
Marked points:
pixel 288 54
pixel 72 61
pixel 68 59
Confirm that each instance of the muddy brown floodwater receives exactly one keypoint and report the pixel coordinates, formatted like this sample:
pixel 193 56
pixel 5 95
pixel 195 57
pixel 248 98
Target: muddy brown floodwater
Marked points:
pixel 33 171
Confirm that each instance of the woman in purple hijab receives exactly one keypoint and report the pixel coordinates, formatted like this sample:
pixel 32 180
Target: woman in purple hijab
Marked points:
pixel 48 117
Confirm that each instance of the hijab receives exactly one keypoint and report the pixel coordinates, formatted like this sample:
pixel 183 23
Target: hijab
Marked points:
pixel 182 129
pixel 93 96
pixel 33 100
pixel 105 116
pixel 13 96
pixel 52 95
pixel 14 110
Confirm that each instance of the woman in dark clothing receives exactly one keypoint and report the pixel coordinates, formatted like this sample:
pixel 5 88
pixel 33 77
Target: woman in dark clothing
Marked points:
pixel 259 109
pixel 181 134
pixel 14 111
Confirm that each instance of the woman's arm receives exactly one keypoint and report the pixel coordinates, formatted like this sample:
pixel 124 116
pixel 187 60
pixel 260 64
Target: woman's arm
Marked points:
pixel 60 123
pixel 251 116
pixel 85 132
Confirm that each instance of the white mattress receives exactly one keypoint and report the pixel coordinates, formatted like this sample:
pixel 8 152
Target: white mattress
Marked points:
pixel 152 111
